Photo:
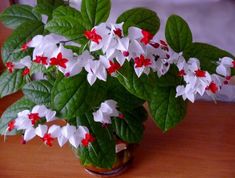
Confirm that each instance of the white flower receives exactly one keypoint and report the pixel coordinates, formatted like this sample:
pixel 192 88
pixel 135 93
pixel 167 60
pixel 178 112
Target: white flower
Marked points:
pixel 95 69
pixel 96 36
pixel 225 65
pixel 29 134
pixel 45 45
pixel 41 130
pixel 25 62
pixel 76 65
pixel 107 110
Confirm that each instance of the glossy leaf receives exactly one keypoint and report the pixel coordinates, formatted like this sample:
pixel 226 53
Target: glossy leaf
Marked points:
pixel 68 22
pixel 38 92
pixel 178 33
pixel 11 48
pixel 46 7
pixel 95 11
pixel 125 100
pixel 10 83
pixel 16 15
pixel 140 17
pixel 130 129
pixel 101 152
pixel 11 113
pixel 141 87
pixel 166 109
pixel 73 96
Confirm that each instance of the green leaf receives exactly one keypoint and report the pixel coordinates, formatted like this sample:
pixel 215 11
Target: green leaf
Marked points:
pixel 68 22
pixel 130 129
pixel 141 87
pixel 23 34
pixel 37 68
pixel 10 83
pixel 207 54
pixel 95 11
pixel 166 109
pixel 74 96
pixel 47 7
pixel 125 100
pixel 11 113
pixel 141 18
pixel 178 33
pixel 101 152
pixel 38 92
pixel 170 79
pixel 16 15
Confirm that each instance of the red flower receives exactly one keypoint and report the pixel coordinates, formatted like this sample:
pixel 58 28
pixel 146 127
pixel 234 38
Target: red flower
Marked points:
pixel 59 61
pixel 47 139
pixel 142 61
pixel 233 64
pixel 126 53
pixel 34 117
pixel 181 73
pixel 114 67
pixel 200 73
pixel 25 46
pixel 93 36
pixel 26 71
pixel 147 37
pixel 213 87
pixel 118 32
pixel 10 66
pixel 88 139
pixel 121 116
pixel 40 60
pixel 11 125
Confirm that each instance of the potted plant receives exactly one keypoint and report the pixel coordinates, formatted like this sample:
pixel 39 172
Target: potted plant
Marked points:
pixel 74 66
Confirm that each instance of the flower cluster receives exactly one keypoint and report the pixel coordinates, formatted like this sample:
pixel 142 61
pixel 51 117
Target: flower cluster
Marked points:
pixel 197 80
pixel 145 50
pixel 33 123
pixel 24 64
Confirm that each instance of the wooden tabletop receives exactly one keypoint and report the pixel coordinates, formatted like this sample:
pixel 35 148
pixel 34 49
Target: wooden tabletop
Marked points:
pixel 202 146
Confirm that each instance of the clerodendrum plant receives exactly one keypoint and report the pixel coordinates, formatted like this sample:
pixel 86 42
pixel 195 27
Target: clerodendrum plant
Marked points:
pixel 97 75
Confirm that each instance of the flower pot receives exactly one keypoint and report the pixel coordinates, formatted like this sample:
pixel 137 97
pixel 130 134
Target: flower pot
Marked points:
pixel 124 154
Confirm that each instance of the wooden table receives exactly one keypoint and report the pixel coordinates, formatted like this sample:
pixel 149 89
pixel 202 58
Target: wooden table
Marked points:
pixel 202 146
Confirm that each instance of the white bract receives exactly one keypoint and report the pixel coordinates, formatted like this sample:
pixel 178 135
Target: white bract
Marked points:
pixel 225 65
pixel 107 110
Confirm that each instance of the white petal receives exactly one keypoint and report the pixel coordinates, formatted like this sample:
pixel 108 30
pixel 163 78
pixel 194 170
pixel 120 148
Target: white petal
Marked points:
pixel 62 140
pixel 24 113
pixel 91 78
pixel 40 109
pixel 82 131
pixel 44 19
pixel 41 130
pixel 55 131
pixel 50 115
pixel 134 33
pixel 123 44
pixel 68 131
pixel 224 71
pixel 75 140
pixel 139 71
pixel 36 41
pixel 29 134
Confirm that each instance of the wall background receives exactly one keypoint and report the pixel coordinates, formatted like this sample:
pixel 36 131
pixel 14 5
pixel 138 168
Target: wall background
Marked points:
pixel 211 21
